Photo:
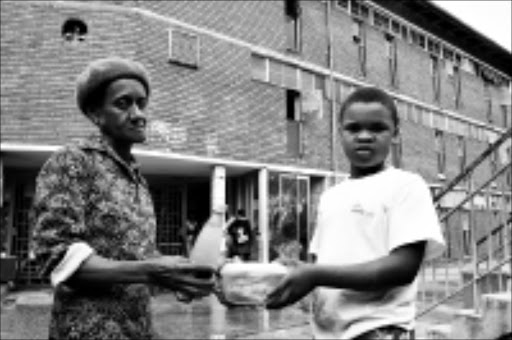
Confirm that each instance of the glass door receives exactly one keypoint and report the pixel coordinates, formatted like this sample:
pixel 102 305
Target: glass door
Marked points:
pixel 289 229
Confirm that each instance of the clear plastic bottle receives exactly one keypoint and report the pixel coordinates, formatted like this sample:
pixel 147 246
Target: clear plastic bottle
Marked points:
pixel 207 247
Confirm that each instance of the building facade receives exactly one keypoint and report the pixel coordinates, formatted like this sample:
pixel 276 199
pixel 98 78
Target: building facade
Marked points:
pixel 244 101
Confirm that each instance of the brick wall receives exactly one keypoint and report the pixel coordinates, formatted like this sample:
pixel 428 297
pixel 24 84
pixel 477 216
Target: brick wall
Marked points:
pixel 215 110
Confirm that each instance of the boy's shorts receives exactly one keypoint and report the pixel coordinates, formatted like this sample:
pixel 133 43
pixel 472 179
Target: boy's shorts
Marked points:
pixel 387 333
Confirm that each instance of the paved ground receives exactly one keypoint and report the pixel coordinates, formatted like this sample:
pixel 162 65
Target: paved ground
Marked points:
pixel 25 315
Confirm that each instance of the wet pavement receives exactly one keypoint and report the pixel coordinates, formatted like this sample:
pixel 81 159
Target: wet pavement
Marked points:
pixel 25 315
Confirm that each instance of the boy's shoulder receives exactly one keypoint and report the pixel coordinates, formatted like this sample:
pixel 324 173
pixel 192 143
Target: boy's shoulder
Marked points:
pixel 389 178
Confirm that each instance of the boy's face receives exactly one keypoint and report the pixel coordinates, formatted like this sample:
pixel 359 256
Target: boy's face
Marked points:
pixel 367 130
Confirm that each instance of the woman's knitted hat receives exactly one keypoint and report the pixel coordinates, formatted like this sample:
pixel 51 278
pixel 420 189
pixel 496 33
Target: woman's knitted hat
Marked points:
pixel 101 72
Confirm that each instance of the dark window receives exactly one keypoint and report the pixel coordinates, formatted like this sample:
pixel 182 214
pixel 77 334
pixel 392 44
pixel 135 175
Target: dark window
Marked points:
pixel 74 30
pixel 293 123
pixel 488 103
pixel 441 153
pixel 380 20
pixel 505 119
pixel 342 3
pixel 293 25
pixel 457 85
pixel 461 152
pixel 359 37
pixel 360 10
pixel 436 78
pixel 392 59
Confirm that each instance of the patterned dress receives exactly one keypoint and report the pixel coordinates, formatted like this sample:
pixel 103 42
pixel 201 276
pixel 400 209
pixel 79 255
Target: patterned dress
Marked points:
pixel 87 193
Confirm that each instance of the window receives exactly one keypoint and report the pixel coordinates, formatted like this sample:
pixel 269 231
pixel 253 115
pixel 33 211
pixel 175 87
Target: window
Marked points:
pixel 74 30
pixel 426 118
pixel 290 77
pixel 360 10
pixel 493 165
pixel 275 72
pixel 457 86
pixel 183 48
pixel 392 56
pixel 395 27
pixel 405 33
pixel 469 66
pixel 294 123
pixel 436 79
pixel 259 67
pixel 461 152
pixel 418 38
pixel 447 54
pixel 488 103
pixel 441 153
pixel 293 25
pixel 381 20
pixel 505 116
pixel 434 47
pixel 359 37
pixel 466 234
pixel 342 3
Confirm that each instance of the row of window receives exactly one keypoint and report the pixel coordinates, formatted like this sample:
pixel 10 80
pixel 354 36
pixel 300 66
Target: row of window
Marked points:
pixel 396 27
pixel 304 81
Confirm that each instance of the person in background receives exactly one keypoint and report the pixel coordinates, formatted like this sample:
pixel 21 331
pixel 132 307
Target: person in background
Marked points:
pixel 94 222
pixel 373 231
pixel 189 234
pixel 241 237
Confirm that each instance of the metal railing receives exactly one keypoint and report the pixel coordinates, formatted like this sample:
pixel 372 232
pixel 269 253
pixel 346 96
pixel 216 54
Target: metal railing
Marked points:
pixel 477 224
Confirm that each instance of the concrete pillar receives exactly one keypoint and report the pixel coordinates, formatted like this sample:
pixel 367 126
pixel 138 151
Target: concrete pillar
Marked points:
pixel 263 214
pixel 218 186
pixel 218 197
pixel 2 188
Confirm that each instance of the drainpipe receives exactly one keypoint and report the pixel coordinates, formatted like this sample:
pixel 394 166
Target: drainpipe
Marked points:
pixel 330 65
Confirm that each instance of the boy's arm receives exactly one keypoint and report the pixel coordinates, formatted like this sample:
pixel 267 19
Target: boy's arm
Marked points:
pixel 396 269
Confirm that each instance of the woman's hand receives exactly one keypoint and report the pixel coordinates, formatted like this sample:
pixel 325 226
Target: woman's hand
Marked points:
pixel 296 285
pixel 188 280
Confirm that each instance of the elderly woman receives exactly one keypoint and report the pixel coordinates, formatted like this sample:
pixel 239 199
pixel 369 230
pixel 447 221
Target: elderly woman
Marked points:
pixel 94 222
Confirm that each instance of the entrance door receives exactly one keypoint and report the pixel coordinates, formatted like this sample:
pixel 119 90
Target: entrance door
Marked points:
pixel 170 216
pixel 289 200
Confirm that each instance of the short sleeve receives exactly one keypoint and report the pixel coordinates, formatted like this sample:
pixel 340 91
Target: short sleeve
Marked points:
pixel 412 218
pixel 315 239
pixel 58 207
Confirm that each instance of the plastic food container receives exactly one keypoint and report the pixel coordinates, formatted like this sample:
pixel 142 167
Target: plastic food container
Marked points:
pixel 248 283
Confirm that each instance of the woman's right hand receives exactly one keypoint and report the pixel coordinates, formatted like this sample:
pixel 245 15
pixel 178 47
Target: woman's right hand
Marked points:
pixel 188 280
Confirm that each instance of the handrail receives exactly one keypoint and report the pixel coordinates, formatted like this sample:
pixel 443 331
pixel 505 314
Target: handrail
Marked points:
pixel 464 286
pixel 486 257
pixel 473 164
pixel 474 192
pixel 494 231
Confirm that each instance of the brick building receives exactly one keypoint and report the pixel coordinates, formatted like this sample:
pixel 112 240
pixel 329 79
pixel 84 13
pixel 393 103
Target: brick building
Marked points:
pixel 244 99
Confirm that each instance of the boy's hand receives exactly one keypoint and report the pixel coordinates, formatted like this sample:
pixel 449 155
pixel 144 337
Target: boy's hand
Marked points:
pixel 296 285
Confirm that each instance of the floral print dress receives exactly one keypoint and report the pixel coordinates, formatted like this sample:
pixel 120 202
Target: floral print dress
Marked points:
pixel 86 193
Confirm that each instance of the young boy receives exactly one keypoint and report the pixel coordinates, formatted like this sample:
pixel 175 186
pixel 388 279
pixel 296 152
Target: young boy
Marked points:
pixel 373 232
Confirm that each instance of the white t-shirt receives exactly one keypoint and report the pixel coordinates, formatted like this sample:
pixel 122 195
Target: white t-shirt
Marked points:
pixel 360 220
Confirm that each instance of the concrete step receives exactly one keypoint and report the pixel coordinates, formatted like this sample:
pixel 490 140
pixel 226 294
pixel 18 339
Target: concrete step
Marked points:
pixel 494 320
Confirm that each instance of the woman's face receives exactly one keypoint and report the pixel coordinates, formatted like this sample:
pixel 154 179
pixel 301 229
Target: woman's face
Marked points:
pixel 367 130
pixel 121 114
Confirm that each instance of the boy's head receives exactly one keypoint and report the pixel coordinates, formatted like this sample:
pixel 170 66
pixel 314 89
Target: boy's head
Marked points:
pixel 368 123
